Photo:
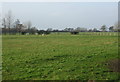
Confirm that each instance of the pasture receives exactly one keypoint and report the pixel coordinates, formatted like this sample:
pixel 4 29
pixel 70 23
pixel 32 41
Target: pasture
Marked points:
pixel 59 56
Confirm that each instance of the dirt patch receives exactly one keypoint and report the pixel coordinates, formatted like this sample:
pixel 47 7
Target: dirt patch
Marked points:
pixel 114 65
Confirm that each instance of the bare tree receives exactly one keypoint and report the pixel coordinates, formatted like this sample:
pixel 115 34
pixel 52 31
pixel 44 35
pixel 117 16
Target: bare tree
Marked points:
pixel 4 23
pixel 9 20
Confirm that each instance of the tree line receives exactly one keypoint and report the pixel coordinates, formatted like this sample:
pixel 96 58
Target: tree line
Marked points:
pixel 16 27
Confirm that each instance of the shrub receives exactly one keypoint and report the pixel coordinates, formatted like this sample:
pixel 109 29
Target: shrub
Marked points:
pixel 74 32
pixel 43 32
pixel 23 33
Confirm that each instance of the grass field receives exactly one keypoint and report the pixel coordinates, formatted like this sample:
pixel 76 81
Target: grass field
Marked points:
pixel 59 57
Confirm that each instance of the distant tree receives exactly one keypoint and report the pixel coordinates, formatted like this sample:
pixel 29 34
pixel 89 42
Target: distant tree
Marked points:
pixel 95 30
pixel 103 28
pixel 27 25
pixel 4 24
pixel 111 29
pixel 47 32
pixel 19 27
pixel 33 30
pixel 79 29
pixel 66 29
pixel 90 30
pixel 13 30
pixel 16 26
pixel 41 32
pixel 9 20
pixel 69 29
pixel 56 30
pixel 16 22
pixel 49 29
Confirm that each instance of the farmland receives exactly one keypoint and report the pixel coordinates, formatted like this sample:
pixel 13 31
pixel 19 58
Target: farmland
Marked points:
pixel 59 56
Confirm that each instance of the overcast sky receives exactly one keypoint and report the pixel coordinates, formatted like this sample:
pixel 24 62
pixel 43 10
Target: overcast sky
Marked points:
pixel 59 15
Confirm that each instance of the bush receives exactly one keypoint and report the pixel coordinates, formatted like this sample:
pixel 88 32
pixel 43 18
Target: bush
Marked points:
pixel 74 32
pixel 23 33
pixel 47 32
pixel 43 32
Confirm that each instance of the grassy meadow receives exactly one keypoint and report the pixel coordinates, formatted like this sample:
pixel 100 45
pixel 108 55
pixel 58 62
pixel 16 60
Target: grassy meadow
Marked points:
pixel 59 56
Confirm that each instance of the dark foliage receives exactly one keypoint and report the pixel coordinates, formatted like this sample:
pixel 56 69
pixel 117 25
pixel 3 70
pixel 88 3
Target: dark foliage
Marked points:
pixel 23 33
pixel 43 32
pixel 74 32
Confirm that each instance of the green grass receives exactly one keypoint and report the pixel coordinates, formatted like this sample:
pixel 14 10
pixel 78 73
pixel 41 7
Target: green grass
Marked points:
pixel 59 57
